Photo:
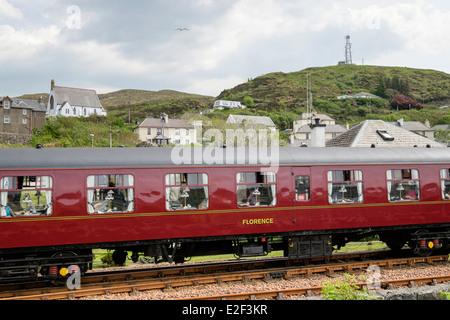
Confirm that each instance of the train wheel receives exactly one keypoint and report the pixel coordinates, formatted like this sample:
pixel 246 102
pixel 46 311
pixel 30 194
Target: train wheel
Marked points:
pixel 119 257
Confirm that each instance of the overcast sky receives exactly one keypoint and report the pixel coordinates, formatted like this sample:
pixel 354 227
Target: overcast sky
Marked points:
pixel 109 45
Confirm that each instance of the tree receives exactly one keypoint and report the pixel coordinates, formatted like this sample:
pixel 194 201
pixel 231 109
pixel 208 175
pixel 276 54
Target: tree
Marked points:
pixel 248 101
pixel 402 102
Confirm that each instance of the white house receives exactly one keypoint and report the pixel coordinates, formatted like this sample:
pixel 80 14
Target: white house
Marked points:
pixel 222 104
pixel 167 131
pixel 73 102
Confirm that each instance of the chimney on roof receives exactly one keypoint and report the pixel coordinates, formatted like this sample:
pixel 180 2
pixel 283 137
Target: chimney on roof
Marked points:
pixel 317 133
pixel 52 84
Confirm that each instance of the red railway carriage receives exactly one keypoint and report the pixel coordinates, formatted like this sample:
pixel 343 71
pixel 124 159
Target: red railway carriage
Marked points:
pixel 59 204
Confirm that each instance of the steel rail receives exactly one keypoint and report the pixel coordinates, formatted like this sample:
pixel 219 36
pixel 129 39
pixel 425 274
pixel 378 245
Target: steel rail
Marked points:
pixel 282 293
pixel 126 283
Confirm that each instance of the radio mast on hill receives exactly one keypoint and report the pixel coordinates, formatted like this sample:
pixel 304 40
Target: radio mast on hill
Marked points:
pixel 348 50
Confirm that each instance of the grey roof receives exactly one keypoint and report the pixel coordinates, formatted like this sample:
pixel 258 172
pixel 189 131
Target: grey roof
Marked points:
pixel 53 158
pixel 238 119
pixel 365 134
pixel 35 105
pixel 77 97
pixel 412 125
pixel 441 127
pixel 365 95
pixel 336 128
pixel 307 116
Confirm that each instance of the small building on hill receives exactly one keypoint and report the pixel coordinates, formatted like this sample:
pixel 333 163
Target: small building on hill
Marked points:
pixel 302 130
pixel 226 104
pixel 360 95
pixel 73 102
pixel 165 131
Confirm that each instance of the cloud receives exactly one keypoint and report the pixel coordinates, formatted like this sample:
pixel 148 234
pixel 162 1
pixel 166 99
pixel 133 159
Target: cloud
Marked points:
pixel 118 45
pixel 9 11
pixel 19 45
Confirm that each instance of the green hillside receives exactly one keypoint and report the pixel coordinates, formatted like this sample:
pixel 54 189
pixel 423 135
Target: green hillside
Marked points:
pixel 139 104
pixel 330 82
pixel 283 95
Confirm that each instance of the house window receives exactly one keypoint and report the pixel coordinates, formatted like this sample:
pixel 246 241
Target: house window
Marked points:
pixel 403 185
pixel 24 120
pixel 6 119
pixel 187 191
pixel 26 196
pixel 24 112
pixel 158 131
pixel 187 132
pixel 149 131
pixel 177 131
pixel 110 193
pixel 302 188
pixel 6 104
pixel 345 186
pixel 256 189
pixel 445 184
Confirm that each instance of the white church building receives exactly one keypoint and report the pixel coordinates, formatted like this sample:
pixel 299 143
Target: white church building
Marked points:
pixel 73 102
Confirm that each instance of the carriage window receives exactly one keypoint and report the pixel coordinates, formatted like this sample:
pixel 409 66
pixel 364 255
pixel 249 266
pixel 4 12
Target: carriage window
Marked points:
pixel 345 186
pixel 26 196
pixel 403 185
pixel 187 191
pixel 110 193
pixel 445 184
pixel 302 188
pixel 256 189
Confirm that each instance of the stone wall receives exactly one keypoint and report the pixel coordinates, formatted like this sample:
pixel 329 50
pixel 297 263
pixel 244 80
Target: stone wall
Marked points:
pixel 14 138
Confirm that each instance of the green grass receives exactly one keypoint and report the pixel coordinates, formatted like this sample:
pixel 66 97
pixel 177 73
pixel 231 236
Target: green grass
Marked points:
pixel 350 247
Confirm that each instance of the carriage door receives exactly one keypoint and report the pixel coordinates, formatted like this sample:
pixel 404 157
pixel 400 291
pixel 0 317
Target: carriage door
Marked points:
pixel 302 203
pixel 303 246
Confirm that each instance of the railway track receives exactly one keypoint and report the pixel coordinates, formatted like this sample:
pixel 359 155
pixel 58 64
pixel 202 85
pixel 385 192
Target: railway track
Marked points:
pixel 103 283
pixel 282 293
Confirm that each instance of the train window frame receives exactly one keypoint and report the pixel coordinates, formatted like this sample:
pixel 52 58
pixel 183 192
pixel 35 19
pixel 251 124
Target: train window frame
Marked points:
pixel 186 191
pixel 104 198
pixel 445 183
pixel 345 186
pixel 35 193
pixel 403 178
pixel 302 188
pixel 253 186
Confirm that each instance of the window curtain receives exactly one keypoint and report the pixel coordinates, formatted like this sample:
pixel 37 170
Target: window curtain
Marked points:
pixel 90 194
pixel 359 185
pixel 4 199
pixel 47 182
pixel 130 193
